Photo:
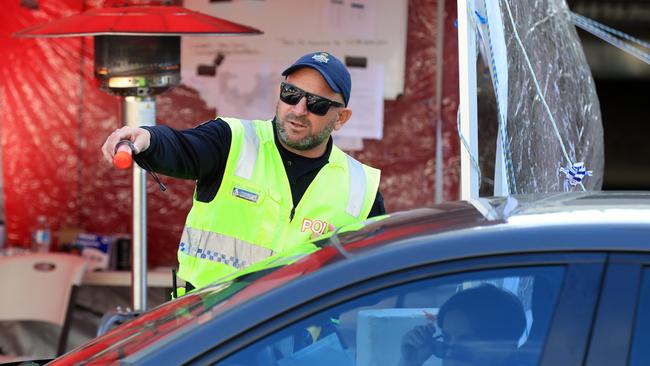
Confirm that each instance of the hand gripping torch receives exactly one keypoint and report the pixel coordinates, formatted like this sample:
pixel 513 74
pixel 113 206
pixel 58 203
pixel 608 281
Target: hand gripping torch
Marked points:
pixel 123 159
pixel 123 154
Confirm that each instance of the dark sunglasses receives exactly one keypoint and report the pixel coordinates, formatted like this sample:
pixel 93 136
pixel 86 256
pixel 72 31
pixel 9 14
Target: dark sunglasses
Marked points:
pixel 472 351
pixel 458 352
pixel 315 103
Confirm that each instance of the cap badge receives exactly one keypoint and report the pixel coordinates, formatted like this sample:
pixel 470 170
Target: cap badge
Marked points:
pixel 321 57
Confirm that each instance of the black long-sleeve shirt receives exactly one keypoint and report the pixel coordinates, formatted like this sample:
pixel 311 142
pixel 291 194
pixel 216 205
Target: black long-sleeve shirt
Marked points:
pixel 201 154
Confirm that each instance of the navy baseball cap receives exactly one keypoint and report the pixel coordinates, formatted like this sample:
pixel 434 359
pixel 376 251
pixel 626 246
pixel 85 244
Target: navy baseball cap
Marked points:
pixel 332 69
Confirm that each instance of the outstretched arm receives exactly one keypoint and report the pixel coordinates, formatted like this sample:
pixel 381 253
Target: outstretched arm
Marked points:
pixel 198 153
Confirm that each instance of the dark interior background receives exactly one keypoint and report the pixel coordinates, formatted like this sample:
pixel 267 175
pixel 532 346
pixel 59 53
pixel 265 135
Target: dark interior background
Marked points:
pixel 623 86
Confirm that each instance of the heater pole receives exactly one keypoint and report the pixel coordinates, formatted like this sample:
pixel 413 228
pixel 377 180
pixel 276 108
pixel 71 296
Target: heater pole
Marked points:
pixel 139 111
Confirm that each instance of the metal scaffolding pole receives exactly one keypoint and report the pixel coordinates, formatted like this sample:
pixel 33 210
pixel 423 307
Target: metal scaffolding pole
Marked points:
pixel 467 108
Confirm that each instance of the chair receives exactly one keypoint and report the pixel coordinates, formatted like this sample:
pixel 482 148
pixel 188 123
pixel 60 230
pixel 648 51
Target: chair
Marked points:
pixel 40 287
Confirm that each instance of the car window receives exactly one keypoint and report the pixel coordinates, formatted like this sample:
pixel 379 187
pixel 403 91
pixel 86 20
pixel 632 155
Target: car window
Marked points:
pixel 496 317
pixel 640 354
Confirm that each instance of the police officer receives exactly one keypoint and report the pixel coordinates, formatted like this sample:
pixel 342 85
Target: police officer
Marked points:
pixel 263 187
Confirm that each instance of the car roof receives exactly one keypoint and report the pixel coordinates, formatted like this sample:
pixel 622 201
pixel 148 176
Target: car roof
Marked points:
pixel 571 207
pixel 609 210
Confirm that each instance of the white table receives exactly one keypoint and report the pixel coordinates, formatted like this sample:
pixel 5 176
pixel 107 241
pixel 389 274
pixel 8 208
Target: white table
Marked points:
pixel 155 278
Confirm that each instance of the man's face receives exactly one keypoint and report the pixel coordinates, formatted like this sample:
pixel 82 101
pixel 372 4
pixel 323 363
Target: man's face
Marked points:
pixel 298 128
pixel 456 331
pixel 465 347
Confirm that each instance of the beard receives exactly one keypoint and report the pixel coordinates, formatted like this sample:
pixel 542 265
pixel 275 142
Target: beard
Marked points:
pixel 308 142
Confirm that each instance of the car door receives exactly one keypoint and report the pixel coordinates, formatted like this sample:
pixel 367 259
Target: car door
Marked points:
pixel 539 312
pixel 621 334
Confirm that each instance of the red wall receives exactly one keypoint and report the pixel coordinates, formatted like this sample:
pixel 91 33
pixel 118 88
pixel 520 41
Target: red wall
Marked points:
pixel 54 120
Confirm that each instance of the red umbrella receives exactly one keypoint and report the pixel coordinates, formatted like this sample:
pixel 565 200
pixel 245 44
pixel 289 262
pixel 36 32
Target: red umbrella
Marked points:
pixel 137 20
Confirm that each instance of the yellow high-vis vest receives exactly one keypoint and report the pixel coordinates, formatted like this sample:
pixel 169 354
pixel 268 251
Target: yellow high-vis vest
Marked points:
pixel 251 217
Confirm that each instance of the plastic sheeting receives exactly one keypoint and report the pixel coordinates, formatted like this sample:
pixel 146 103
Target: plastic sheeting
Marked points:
pixel 54 120
pixel 40 98
pixel 552 46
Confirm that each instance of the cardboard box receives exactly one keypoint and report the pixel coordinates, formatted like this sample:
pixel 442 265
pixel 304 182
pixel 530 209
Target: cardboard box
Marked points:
pixel 97 250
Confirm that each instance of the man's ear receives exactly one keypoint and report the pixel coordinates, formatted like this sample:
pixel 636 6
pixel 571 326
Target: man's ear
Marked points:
pixel 344 116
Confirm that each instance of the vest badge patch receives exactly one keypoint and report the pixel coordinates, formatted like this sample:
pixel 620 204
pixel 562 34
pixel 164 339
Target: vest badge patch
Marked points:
pixel 318 227
pixel 247 195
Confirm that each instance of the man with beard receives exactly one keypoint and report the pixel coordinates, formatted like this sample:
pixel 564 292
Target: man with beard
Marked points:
pixel 263 187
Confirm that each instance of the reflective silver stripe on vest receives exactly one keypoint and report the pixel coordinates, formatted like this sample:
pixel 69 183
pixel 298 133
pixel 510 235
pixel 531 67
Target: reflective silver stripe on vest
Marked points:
pixel 357 187
pixel 248 153
pixel 221 248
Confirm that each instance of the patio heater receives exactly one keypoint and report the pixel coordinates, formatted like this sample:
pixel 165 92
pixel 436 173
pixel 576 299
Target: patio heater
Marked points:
pixel 137 56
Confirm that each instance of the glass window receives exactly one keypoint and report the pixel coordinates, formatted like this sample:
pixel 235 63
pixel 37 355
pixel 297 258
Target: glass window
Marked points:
pixel 496 317
pixel 641 338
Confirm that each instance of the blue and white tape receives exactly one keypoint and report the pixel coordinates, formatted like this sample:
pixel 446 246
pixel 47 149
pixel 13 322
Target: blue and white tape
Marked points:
pixel 576 173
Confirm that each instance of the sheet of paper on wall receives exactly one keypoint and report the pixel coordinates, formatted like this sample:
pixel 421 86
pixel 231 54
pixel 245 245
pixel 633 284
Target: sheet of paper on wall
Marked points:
pixel 348 143
pixel 368 31
pixel 237 89
pixel 367 103
pixel 351 18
